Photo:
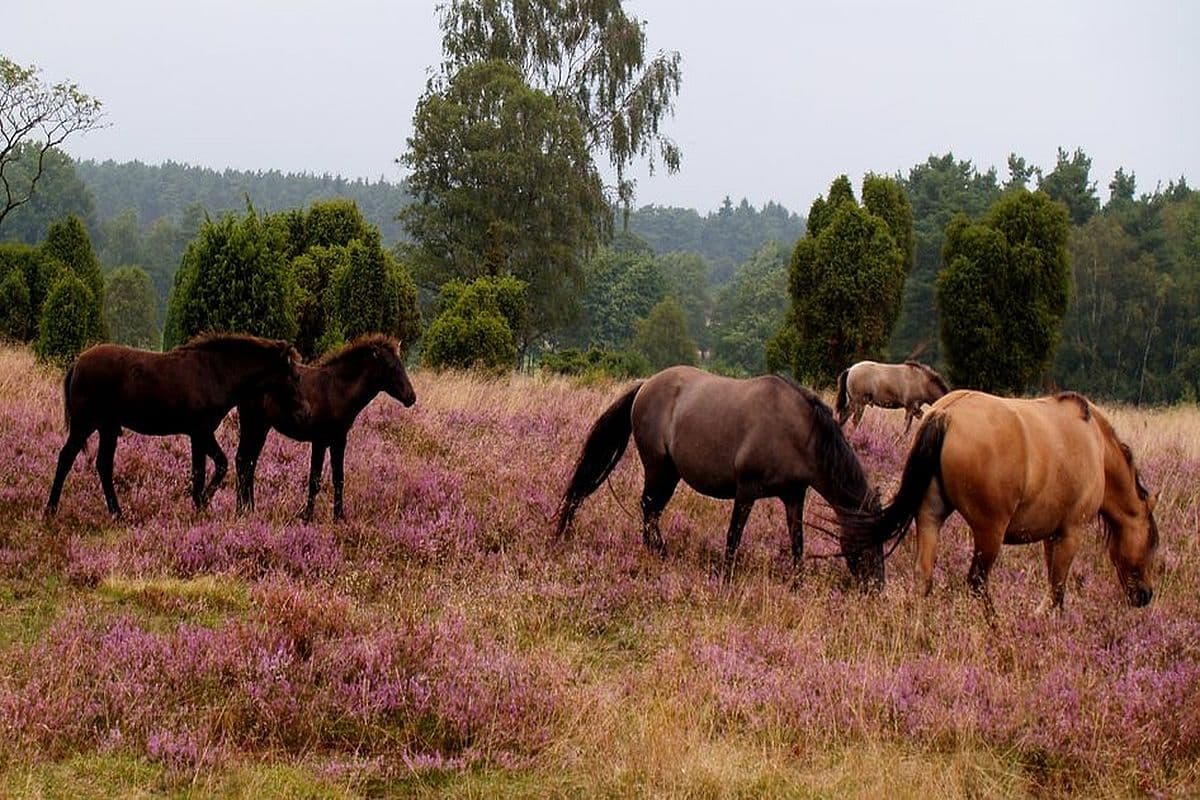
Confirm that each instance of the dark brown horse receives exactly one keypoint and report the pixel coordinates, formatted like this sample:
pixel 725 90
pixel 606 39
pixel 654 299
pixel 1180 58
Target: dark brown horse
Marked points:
pixel 187 390
pixel 730 439
pixel 336 389
pixel 869 383
pixel 1022 471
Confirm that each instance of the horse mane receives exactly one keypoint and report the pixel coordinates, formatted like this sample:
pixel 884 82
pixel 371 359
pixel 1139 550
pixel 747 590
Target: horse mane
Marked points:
pixel 933 374
pixel 845 470
pixel 357 348
pixel 227 341
pixel 1086 408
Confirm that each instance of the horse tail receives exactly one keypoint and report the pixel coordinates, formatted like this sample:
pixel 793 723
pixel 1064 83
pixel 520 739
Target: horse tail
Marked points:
pixel 604 447
pixel 923 466
pixel 67 397
pixel 843 397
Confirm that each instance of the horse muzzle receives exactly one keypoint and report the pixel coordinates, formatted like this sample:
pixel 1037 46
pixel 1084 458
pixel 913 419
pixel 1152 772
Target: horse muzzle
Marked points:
pixel 1140 597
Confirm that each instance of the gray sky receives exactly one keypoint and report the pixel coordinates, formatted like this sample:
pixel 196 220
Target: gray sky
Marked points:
pixel 777 99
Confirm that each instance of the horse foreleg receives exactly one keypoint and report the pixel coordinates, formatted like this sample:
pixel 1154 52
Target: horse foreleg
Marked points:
pixel 314 480
pixel 337 454
pixel 66 457
pixel 104 468
pixel 199 464
pixel 737 522
pixel 1060 551
pixel 795 522
pixel 859 407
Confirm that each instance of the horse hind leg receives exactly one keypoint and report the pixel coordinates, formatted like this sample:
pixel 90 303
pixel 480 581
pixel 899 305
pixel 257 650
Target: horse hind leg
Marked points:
pixel 220 468
pixel 76 439
pixel 661 481
pixel 987 548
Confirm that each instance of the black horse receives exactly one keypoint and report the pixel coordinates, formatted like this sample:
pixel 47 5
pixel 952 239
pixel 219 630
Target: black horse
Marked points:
pixel 336 389
pixel 737 440
pixel 187 390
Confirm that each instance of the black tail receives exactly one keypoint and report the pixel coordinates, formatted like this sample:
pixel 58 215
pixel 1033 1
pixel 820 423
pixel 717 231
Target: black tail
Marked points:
pixel 843 399
pixel 67 397
pixel 603 449
pixel 924 465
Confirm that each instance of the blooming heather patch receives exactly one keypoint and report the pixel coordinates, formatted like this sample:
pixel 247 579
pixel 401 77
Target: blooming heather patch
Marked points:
pixel 442 629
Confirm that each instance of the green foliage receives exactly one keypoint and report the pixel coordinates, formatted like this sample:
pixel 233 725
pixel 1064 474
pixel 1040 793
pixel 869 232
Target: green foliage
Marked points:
pixel 590 53
pixel 1004 292
pixel 749 311
pixel 596 363
pixel 130 307
pixel 1069 183
pixel 846 281
pixel 59 194
pixel 374 294
pixel 234 278
pixel 313 272
pixel 505 186
pixel 17 320
pixel 725 238
pixel 662 337
pixel 686 277
pixel 938 189
pixel 623 284
pixel 122 240
pixel 69 246
pixel 63 329
pixel 172 191
pixel 1019 173
pixel 34 120
pixel 474 329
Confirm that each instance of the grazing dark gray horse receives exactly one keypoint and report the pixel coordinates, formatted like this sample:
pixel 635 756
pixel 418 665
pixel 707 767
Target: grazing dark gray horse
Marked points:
pixel 869 383
pixel 336 389
pixel 738 440
pixel 187 390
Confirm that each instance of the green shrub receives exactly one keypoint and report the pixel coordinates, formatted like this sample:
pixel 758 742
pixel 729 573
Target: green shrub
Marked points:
pixel 63 329
pixel 596 362
pixel 474 329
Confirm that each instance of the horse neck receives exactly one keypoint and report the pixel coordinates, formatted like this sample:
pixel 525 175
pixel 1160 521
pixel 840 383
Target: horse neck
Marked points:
pixel 1120 482
pixel 355 381
pixel 231 375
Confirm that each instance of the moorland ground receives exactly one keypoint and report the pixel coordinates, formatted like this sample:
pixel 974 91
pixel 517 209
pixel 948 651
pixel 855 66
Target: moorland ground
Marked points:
pixel 440 643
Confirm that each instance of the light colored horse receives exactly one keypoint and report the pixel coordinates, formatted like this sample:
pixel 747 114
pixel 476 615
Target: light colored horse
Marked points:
pixel 1022 471
pixel 869 383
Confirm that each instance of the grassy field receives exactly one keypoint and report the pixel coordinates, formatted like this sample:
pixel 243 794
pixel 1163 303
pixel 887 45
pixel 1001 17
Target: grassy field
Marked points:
pixel 439 643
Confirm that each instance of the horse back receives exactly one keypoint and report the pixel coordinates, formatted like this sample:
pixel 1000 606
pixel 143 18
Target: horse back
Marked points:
pixel 720 432
pixel 1038 463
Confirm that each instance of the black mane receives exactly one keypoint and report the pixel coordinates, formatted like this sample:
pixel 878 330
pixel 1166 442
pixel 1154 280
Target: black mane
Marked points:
pixel 363 345
pixel 847 477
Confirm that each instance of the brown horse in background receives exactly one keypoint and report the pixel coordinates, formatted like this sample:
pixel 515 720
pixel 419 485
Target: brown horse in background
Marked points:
pixel 187 390
pixel 730 439
pixel 869 383
pixel 336 389
pixel 1022 471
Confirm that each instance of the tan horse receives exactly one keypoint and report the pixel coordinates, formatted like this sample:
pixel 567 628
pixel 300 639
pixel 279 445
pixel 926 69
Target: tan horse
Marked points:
pixel 869 383
pixel 1022 471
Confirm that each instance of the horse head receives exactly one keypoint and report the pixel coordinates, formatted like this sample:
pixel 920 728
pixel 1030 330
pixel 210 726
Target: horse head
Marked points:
pixel 282 382
pixel 393 377
pixel 1132 534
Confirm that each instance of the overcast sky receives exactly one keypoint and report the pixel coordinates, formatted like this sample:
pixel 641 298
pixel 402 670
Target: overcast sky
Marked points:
pixel 777 99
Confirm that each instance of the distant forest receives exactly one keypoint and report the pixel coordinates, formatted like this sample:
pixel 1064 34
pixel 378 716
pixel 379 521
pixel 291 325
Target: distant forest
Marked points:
pixel 1131 331
pixel 725 237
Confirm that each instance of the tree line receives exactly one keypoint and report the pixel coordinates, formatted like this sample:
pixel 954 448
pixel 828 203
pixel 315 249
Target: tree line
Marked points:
pixel 519 253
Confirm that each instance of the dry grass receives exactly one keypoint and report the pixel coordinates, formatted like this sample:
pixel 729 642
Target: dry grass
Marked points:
pixel 592 667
